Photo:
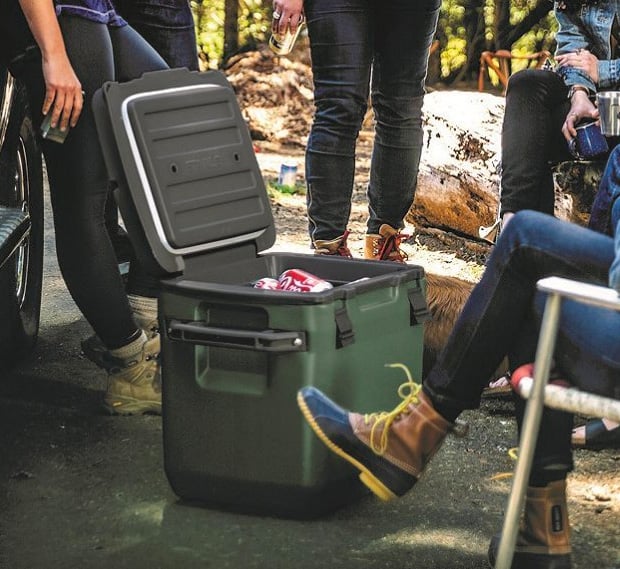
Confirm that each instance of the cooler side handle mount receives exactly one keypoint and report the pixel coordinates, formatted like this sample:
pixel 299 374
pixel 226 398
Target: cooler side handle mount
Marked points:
pixel 278 341
pixel 418 309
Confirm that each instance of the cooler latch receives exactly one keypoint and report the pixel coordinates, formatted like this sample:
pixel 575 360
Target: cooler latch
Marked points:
pixel 418 309
pixel 344 328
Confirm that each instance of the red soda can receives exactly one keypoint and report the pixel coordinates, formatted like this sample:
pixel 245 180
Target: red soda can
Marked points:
pixel 267 283
pixel 297 280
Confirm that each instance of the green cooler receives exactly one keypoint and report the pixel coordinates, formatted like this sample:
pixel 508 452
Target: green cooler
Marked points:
pixel 234 356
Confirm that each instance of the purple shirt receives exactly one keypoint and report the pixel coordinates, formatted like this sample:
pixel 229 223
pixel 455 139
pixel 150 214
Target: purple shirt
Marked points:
pixel 101 11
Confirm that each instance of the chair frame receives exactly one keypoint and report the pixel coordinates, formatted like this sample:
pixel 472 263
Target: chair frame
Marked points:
pixel 500 62
pixel 541 394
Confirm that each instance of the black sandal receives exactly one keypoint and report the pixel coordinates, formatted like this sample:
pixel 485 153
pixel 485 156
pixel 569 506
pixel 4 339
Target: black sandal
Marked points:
pixel 501 391
pixel 598 436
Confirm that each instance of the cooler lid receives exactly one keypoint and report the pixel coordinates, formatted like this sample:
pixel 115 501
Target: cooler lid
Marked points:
pixel 185 157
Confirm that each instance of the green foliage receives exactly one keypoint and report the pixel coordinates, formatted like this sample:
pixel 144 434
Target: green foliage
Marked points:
pixel 453 55
pixel 273 188
pixel 254 23
pixel 456 37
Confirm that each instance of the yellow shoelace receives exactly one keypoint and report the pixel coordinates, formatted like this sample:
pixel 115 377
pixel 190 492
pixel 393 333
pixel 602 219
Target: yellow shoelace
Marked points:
pixel 513 453
pixel 408 392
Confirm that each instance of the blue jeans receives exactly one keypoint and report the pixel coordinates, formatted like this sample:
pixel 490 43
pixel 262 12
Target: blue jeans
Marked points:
pixel 168 25
pixel 360 48
pixel 501 318
pixel 607 194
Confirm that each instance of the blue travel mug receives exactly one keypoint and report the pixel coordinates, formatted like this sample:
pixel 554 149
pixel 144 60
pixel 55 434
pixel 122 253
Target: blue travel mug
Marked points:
pixel 589 142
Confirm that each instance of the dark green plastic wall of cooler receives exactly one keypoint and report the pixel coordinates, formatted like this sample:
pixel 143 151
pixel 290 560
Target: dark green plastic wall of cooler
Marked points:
pixel 233 435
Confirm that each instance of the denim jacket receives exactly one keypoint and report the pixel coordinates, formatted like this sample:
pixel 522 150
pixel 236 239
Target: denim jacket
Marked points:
pixel 614 270
pixel 605 216
pixel 589 27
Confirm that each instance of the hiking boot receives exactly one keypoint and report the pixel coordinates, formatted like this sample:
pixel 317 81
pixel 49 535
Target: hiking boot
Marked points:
pixel 337 246
pixel 543 541
pixel 389 449
pixel 94 349
pixel 386 245
pixel 134 384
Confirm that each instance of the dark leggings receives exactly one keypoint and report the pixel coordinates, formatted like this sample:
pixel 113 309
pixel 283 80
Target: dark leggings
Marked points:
pixel 536 107
pixel 78 178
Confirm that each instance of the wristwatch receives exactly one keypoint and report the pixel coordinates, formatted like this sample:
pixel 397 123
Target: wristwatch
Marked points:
pixel 574 88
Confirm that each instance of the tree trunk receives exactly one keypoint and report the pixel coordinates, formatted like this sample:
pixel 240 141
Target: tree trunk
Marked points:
pixel 502 25
pixel 473 22
pixel 231 28
pixel 458 182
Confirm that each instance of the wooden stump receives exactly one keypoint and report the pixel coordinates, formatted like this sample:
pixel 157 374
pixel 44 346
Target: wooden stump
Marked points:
pixel 576 184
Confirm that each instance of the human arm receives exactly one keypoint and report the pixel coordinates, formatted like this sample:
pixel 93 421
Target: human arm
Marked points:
pixel 596 70
pixel 290 13
pixel 63 90
pixel 583 60
pixel 572 40
pixel 571 37
pixel 581 108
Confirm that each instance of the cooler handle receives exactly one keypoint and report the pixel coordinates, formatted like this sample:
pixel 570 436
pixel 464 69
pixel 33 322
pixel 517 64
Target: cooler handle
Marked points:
pixel 418 309
pixel 257 340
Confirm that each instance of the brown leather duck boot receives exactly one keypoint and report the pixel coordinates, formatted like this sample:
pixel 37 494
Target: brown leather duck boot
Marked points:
pixel 386 245
pixel 543 541
pixel 390 449
pixel 337 246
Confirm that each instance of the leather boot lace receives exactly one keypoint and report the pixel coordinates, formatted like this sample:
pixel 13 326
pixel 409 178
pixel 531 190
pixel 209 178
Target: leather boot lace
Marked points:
pixel 388 248
pixel 408 392
pixel 337 247
pixel 343 249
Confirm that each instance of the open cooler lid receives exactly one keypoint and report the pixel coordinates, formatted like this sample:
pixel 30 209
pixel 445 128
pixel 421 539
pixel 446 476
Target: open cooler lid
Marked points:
pixel 177 148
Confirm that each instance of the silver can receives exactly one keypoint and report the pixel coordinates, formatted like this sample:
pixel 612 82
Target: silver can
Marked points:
pixel 282 44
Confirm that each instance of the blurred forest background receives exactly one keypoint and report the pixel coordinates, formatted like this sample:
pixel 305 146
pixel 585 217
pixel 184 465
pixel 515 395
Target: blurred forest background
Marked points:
pixel 466 29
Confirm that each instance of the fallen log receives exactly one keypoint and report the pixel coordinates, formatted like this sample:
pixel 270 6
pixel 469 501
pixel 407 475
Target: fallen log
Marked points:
pixel 458 183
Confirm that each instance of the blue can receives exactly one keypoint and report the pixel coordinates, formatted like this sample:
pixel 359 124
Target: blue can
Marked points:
pixel 288 174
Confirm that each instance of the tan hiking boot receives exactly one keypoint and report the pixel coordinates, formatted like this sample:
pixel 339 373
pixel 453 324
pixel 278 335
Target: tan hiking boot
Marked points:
pixel 337 246
pixel 144 310
pixel 386 245
pixel 134 384
pixel 543 541
pixel 94 349
pixel 148 324
pixel 390 449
